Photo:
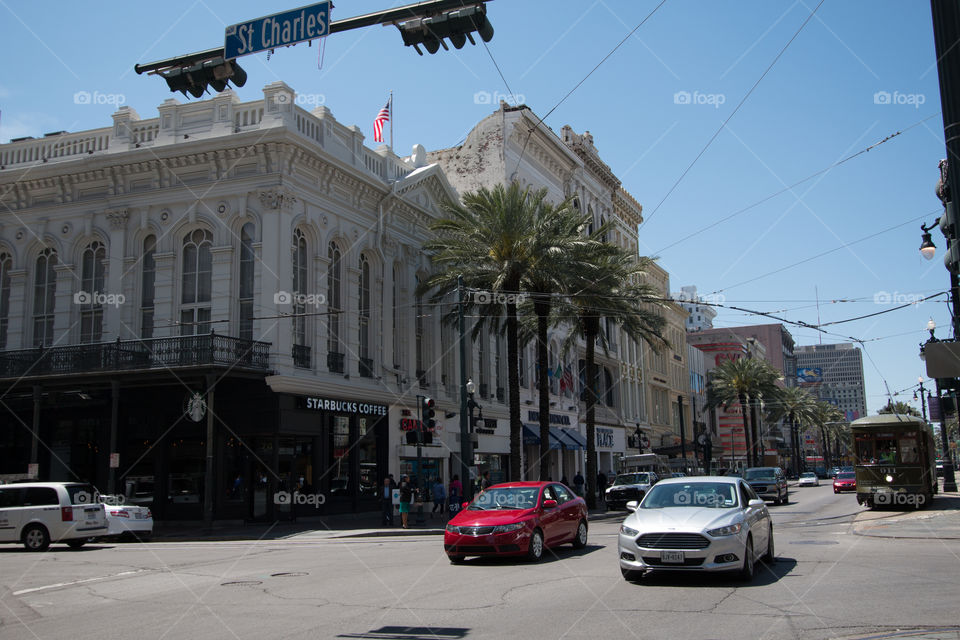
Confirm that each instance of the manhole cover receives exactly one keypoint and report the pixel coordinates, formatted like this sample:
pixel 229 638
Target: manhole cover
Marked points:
pixel 241 583
pixel 289 574
pixel 814 542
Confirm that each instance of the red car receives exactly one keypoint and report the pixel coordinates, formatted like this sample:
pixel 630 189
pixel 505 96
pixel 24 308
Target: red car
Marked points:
pixel 517 519
pixel 845 481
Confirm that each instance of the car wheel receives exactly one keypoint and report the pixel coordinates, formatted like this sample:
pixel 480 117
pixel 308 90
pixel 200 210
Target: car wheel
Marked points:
pixel 786 497
pixel 746 571
pixel 631 575
pixel 456 559
pixel 770 556
pixel 580 540
pixel 36 538
pixel 76 544
pixel 535 550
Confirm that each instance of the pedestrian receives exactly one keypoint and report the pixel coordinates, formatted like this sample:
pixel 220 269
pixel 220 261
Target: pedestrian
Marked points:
pixel 406 495
pixel 601 485
pixel 439 498
pixel 578 483
pixel 564 481
pixel 485 481
pixel 387 501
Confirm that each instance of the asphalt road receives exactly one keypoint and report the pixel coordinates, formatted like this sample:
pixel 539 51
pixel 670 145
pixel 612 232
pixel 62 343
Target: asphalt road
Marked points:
pixel 827 583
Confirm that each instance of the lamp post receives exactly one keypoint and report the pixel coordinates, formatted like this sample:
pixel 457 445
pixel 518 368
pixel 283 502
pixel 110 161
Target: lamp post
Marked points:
pixel 923 398
pixel 471 405
pixel 949 479
pixel 466 448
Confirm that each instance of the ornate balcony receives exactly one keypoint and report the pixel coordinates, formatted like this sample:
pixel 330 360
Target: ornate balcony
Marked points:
pixel 301 356
pixel 366 367
pixel 335 362
pixel 131 355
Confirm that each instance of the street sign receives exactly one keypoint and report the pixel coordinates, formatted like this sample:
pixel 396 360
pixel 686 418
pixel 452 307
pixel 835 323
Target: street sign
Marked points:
pixel 277 30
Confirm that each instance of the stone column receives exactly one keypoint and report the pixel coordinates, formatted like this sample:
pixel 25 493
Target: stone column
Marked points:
pixel 18 320
pixel 65 312
pixel 164 304
pixel 112 316
pixel 223 292
pixel 276 274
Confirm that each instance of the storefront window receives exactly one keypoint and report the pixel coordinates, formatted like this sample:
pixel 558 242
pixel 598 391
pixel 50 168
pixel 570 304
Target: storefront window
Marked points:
pixel 339 466
pixel 367 452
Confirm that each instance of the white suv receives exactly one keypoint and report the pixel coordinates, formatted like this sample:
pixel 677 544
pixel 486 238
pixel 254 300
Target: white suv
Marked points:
pixel 38 513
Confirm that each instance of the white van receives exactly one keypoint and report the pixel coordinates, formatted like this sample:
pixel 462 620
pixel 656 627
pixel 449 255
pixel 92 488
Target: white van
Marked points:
pixel 38 513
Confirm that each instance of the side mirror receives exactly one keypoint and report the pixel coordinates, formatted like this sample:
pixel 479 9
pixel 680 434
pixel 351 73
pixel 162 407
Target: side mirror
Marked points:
pixel 632 505
pixel 756 502
pixel 549 504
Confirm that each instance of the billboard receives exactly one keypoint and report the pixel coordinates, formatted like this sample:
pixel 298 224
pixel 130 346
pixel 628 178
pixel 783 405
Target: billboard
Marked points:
pixel 810 375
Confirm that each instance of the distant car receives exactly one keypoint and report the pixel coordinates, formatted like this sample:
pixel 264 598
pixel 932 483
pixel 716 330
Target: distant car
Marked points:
pixel 678 475
pixel 701 523
pixel 833 472
pixel 845 481
pixel 808 479
pixel 821 472
pixel 939 468
pixel 770 483
pixel 629 486
pixel 38 513
pixel 517 519
pixel 127 520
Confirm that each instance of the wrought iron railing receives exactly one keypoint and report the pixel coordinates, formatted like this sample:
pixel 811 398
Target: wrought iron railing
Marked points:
pixel 335 362
pixel 301 356
pixel 125 355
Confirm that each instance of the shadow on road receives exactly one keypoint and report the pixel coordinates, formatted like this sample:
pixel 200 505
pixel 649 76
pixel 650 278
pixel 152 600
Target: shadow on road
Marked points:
pixel 411 633
pixel 765 575
pixel 557 554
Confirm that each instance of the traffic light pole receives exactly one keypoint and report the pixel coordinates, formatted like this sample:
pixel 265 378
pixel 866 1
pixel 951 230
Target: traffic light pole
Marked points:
pixel 466 454
pixel 420 492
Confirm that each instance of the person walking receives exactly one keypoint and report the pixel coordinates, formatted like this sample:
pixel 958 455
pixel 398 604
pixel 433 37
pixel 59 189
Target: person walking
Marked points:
pixel 578 483
pixel 406 495
pixel 439 498
pixel 456 494
pixel 386 499
pixel 485 481
pixel 602 485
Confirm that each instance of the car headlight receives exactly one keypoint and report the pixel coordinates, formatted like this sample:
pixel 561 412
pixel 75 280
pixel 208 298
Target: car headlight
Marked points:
pixel 729 530
pixel 627 531
pixel 504 528
pixel 453 529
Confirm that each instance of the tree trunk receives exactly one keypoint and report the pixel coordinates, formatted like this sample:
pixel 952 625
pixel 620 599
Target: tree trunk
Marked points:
pixel 825 439
pixel 590 336
pixel 513 382
pixel 542 309
pixel 747 434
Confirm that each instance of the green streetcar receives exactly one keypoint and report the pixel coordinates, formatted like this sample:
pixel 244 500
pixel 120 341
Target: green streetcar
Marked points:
pixel 895 461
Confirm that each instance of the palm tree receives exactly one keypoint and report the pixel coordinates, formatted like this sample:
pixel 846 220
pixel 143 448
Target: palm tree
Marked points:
pixel 612 287
pixel 796 406
pixel 737 381
pixel 493 238
pixel 899 407
pixel 826 415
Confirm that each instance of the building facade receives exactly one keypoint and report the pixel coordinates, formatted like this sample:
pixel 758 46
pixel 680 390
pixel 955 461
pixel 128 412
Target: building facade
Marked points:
pixel 700 315
pixel 834 373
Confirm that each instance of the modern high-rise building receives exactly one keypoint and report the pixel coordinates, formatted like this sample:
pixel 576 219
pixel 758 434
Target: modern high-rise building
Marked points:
pixel 701 314
pixel 834 373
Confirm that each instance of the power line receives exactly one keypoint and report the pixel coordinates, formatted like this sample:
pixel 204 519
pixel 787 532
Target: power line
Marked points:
pixel 733 113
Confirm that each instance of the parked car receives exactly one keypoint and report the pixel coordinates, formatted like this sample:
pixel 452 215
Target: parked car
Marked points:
pixel 701 523
pixel 845 481
pixel 629 486
pixel 808 479
pixel 127 520
pixel 517 519
pixel 939 468
pixel 834 471
pixel 38 513
pixel 769 483
pixel 821 472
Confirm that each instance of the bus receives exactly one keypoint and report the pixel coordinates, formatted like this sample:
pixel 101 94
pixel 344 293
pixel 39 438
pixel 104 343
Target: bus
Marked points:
pixel 895 457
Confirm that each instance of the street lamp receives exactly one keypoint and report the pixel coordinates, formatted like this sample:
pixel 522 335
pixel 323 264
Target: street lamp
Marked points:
pixel 927 248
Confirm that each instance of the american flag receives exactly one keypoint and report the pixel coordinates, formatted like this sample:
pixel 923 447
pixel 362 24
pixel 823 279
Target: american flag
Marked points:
pixel 382 118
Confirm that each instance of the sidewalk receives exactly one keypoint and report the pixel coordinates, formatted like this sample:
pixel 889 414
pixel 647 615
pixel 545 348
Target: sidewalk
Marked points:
pixel 348 525
pixel 939 520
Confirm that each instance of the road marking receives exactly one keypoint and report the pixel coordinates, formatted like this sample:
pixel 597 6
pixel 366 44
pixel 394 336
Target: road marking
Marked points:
pixel 70 584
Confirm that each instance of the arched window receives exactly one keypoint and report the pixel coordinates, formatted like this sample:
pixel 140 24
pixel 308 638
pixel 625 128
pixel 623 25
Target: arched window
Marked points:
pixel 418 337
pixel 6 263
pixel 91 288
pixel 245 295
pixel 148 277
pixel 197 283
pixel 299 288
pixel 44 297
pixel 334 307
pixel 366 362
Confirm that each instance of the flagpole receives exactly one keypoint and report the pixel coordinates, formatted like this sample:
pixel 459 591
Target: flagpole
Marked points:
pixel 391 118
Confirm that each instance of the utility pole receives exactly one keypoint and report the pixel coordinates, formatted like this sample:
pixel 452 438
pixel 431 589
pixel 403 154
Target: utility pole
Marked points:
pixel 466 453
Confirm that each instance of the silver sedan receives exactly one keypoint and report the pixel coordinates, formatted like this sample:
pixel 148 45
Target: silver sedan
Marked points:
pixel 704 523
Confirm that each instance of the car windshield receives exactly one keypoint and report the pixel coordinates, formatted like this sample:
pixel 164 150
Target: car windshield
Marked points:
pixel 846 476
pixel 506 498
pixel 717 495
pixel 632 478
pixel 760 474
pixel 808 474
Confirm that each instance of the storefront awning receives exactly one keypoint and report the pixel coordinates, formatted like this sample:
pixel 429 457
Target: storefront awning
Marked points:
pixel 579 442
pixel 531 435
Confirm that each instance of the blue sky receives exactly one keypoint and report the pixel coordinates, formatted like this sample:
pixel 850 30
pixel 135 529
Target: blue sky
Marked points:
pixel 859 71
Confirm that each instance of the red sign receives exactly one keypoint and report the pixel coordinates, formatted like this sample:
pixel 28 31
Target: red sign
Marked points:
pixel 731 356
pixel 412 424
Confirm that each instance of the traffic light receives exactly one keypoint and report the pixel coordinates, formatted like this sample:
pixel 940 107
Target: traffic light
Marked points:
pixel 457 26
pixel 429 424
pixel 216 73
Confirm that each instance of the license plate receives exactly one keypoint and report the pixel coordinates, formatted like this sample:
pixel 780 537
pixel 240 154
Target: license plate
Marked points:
pixel 671 556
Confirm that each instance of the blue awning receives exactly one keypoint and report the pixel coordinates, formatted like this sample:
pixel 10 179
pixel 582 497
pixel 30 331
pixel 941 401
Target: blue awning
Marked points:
pixel 579 442
pixel 531 436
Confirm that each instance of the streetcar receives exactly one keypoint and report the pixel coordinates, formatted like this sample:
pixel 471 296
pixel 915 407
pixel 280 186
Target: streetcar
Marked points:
pixel 895 463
